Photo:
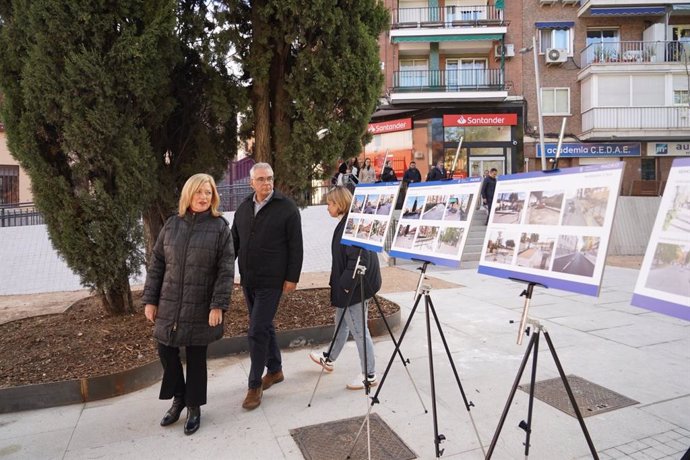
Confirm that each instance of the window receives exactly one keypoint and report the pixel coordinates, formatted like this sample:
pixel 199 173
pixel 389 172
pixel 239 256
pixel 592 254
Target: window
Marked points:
pixel 648 169
pixel 555 101
pixel 680 97
pixel 9 184
pixel 414 72
pixel 602 45
pixel 465 72
pixel 555 38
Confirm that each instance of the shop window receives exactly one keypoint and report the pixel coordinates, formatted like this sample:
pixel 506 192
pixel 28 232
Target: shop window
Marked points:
pixel 648 169
pixel 9 184
pixel 555 101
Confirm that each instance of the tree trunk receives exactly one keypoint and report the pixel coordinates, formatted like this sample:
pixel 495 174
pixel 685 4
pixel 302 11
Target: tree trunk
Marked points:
pixel 117 298
pixel 154 218
pixel 280 118
pixel 260 91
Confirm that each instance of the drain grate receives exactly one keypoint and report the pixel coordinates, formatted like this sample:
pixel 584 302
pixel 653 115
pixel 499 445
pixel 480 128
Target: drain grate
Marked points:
pixel 591 398
pixel 333 440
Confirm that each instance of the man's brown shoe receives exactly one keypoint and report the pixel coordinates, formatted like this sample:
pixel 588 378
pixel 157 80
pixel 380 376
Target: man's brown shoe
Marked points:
pixel 253 399
pixel 271 378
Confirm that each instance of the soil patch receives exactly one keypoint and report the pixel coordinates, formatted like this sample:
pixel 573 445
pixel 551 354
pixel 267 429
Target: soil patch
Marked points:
pixel 84 341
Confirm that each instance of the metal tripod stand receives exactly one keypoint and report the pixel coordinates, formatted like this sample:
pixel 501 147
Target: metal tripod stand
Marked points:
pixel 533 345
pixel 423 290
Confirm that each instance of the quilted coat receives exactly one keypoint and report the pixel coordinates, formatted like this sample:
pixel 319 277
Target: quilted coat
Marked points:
pixel 191 271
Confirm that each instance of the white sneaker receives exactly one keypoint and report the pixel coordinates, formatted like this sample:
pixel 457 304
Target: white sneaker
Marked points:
pixel 322 360
pixel 358 382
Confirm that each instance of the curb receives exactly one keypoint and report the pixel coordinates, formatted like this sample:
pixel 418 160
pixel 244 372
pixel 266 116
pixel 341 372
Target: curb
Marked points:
pixel 45 395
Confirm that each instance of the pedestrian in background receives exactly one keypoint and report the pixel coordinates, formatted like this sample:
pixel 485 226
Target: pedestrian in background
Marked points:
pixel 487 191
pixel 438 172
pixel 367 175
pixel 412 174
pixel 188 287
pixel 267 234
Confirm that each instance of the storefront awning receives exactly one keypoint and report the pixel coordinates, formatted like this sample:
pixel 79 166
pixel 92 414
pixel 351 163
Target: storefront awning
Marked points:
pixel 447 38
pixel 554 25
pixel 629 11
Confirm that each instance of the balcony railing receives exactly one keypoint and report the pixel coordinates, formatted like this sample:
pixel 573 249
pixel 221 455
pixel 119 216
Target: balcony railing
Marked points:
pixel 636 118
pixel 448 80
pixel 448 16
pixel 630 52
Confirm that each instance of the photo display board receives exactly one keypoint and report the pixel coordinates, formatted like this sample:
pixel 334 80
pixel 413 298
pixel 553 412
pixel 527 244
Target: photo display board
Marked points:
pixel 553 227
pixel 664 281
pixel 370 214
pixel 434 221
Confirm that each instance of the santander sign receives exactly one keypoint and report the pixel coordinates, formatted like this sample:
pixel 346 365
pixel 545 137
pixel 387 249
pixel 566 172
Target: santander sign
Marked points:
pixel 481 119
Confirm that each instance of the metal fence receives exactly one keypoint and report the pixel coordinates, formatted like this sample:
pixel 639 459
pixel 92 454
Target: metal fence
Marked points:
pixel 18 214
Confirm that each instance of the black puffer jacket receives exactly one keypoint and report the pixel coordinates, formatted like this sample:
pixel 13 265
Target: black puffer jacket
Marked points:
pixel 191 271
pixel 344 260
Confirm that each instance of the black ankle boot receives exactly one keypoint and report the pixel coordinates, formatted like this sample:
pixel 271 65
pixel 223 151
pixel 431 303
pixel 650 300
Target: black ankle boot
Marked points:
pixel 173 414
pixel 193 420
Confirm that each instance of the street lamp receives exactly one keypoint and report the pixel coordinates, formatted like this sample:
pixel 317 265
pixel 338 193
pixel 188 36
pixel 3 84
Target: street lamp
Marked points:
pixel 539 115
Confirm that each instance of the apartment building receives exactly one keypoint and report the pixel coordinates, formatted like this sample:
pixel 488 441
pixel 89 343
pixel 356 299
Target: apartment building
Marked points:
pixel 15 185
pixel 616 71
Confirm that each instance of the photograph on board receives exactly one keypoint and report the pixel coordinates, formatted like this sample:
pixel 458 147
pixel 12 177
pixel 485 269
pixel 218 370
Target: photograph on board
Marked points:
pixel 434 207
pixel 370 204
pixel 413 206
pixel 426 237
pixel 544 207
pixel 449 240
pixel 670 269
pixel 357 204
pixel 405 236
pixel 500 247
pixel 385 205
pixel 509 207
pixel 586 207
pixel 678 216
pixel 458 208
pixel 576 255
pixel 535 251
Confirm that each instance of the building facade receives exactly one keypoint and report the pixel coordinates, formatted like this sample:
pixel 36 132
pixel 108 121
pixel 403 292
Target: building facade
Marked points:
pixel 616 71
pixel 15 186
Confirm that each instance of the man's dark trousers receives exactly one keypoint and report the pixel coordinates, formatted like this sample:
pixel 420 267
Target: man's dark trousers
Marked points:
pixel 262 304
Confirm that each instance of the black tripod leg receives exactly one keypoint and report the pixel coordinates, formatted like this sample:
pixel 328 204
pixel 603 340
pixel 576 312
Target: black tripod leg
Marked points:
pixel 527 426
pixel 510 397
pixel 405 362
pixel 375 399
pixel 468 404
pixel 568 390
pixel 438 438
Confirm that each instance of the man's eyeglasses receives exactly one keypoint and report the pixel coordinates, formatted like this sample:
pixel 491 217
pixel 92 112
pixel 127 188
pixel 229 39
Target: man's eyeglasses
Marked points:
pixel 262 180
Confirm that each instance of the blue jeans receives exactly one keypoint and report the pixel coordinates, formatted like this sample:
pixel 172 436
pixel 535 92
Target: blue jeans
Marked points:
pixel 353 324
pixel 262 304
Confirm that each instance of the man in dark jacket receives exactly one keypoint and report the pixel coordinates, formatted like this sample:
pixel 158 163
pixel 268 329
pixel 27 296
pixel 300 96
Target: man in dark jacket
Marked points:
pixel 267 234
pixel 438 172
pixel 388 174
pixel 487 191
pixel 412 174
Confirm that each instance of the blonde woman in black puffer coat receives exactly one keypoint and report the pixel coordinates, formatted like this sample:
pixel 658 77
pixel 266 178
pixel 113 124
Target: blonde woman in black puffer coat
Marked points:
pixel 188 287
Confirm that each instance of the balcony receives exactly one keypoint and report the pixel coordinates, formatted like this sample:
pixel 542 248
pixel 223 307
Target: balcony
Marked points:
pixel 448 85
pixel 449 23
pixel 604 123
pixel 635 52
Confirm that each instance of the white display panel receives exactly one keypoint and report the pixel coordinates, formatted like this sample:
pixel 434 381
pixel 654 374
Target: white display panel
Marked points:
pixel 664 281
pixel 553 227
pixel 434 221
pixel 370 214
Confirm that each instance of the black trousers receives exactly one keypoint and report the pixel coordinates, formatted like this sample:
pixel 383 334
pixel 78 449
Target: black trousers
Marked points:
pixel 264 352
pixel 194 388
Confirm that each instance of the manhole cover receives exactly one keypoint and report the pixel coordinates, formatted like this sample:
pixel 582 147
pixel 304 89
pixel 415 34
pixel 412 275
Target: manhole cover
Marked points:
pixel 591 398
pixel 333 440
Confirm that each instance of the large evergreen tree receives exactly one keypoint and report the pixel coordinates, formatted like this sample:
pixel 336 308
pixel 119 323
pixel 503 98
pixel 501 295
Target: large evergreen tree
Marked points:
pixel 310 66
pixel 108 107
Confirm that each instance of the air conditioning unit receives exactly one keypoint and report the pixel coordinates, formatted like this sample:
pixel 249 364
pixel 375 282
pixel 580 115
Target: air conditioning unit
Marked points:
pixel 547 2
pixel 570 2
pixel 508 49
pixel 556 55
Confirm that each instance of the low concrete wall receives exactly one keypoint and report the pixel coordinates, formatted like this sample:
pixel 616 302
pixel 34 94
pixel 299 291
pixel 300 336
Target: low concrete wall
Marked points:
pixel 632 225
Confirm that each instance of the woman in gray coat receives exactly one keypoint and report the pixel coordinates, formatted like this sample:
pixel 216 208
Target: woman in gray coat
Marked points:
pixel 188 287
